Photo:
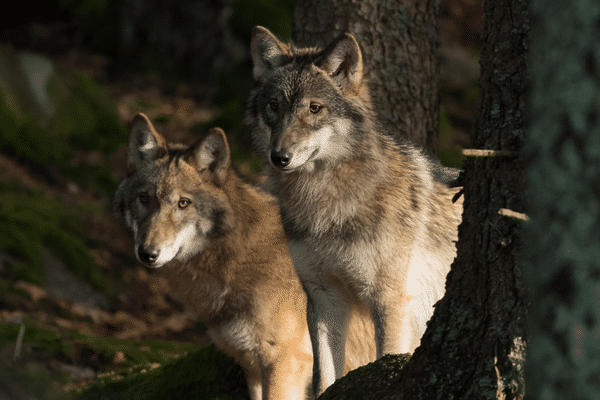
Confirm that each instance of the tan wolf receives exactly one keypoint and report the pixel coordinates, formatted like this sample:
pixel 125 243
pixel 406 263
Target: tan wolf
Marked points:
pixel 370 221
pixel 223 249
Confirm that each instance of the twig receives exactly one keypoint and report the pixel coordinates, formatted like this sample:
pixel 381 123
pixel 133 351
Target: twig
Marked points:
pixel 19 342
pixel 513 214
pixel 488 153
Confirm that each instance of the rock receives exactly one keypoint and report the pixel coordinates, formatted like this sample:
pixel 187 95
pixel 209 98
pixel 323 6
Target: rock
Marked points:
pixel 25 78
pixel 77 373
pixel 62 283
pixel 39 70
pixel 119 358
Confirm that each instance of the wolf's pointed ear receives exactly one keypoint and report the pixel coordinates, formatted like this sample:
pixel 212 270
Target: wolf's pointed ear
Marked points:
pixel 267 51
pixel 145 144
pixel 213 153
pixel 342 60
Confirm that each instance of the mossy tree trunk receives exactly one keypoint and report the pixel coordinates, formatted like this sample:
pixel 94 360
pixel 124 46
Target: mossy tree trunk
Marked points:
pixel 474 345
pixel 562 250
pixel 399 40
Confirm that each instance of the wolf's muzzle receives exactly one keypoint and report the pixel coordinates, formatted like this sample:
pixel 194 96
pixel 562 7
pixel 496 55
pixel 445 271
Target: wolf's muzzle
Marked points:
pixel 280 159
pixel 148 256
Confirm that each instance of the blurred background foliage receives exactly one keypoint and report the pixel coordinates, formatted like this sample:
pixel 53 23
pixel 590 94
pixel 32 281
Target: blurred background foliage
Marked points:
pixel 73 73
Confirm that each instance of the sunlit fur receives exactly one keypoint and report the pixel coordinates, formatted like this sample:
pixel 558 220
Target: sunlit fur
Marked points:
pixel 369 222
pixel 226 258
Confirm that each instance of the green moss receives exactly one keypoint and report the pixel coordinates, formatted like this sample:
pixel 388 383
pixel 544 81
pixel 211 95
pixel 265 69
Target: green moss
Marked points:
pixel 9 287
pixel 12 298
pixel 204 374
pixel 32 378
pixel 88 116
pixel 44 340
pixel 29 222
pixel 98 178
pixel 86 119
pixel 33 381
pixel 369 381
pixel 186 370
pixel 23 136
pixel 68 343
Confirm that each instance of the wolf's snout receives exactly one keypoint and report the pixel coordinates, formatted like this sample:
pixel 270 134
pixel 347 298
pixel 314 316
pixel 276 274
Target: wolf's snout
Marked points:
pixel 280 159
pixel 148 256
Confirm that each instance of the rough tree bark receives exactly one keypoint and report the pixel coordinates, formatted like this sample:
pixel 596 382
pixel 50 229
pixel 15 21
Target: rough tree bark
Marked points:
pixel 399 40
pixel 474 345
pixel 562 255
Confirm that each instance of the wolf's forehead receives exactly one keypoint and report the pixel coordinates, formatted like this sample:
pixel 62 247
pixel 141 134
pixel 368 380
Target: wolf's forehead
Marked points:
pixel 183 178
pixel 169 181
pixel 297 82
pixel 285 81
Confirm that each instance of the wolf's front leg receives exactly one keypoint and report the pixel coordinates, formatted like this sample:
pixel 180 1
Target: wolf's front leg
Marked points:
pixel 254 380
pixel 327 315
pixel 395 332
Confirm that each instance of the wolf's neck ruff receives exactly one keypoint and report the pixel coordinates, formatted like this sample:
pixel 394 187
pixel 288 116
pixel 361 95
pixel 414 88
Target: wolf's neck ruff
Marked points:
pixel 322 201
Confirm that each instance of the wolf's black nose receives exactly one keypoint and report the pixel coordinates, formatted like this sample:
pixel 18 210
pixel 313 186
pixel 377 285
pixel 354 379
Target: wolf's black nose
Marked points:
pixel 280 158
pixel 147 256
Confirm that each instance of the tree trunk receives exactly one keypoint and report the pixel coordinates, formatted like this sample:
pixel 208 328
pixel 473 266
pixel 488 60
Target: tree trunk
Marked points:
pixel 562 257
pixel 399 40
pixel 474 345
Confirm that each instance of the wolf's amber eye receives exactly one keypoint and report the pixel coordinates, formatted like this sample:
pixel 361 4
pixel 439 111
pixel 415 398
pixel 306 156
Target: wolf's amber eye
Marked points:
pixel 183 203
pixel 273 105
pixel 315 108
pixel 144 198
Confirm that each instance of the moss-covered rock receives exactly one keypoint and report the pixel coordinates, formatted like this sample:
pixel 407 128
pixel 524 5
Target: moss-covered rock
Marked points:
pixel 367 382
pixel 203 374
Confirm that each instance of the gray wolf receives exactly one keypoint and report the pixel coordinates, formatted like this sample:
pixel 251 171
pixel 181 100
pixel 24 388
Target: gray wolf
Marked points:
pixel 370 221
pixel 220 243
